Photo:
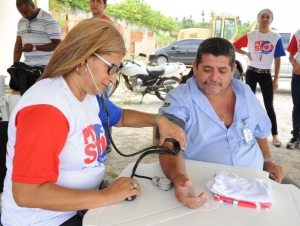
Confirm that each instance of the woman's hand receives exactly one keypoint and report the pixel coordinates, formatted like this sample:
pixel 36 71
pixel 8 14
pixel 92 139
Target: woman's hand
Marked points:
pixel 168 129
pixel 120 189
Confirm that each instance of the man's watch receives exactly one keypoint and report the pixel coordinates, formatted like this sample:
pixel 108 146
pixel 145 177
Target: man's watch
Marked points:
pixel 33 48
pixel 269 160
pixel 247 53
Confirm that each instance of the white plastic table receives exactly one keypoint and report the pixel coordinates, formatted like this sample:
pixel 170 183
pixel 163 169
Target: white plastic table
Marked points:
pixel 157 207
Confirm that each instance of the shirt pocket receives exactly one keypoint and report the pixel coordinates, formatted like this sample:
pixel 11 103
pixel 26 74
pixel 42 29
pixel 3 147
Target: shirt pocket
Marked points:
pixel 241 126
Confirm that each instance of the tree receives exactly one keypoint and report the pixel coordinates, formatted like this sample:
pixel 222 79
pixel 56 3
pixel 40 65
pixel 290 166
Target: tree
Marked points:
pixel 138 12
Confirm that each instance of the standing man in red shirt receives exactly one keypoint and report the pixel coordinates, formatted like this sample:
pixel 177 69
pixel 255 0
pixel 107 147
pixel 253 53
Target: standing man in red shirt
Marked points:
pixel 97 7
pixel 294 50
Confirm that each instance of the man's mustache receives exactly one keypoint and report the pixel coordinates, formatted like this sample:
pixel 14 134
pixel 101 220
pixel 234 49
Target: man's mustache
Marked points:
pixel 213 83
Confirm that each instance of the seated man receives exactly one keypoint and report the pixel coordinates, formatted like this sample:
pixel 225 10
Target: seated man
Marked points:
pixel 223 120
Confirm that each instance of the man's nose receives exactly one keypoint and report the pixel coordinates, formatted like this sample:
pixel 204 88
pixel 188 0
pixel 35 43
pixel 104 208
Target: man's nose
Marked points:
pixel 214 74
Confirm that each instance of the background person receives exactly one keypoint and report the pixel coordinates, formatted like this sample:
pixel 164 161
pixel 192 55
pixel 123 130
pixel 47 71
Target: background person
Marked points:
pixel 212 99
pixel 294 49
pixel 97 8
pixel 263 46
pixel 56 143
pixel 39 33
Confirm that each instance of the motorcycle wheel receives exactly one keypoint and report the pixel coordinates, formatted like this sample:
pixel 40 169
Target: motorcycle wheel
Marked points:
pixel 113 87
pixel 170 84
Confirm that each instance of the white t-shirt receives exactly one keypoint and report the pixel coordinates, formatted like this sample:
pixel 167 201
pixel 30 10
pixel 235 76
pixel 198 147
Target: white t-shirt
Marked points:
pixel 294 46
pixel 264 47
pixel 68 149
pixel 38 31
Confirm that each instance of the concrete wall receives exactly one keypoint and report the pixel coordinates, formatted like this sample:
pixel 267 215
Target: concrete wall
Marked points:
pixel 142 42
pixel 8 25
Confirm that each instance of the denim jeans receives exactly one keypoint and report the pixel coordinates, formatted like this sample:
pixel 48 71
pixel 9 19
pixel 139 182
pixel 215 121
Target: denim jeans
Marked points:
pixel 265 83
pixel 295 89
pixel 105 94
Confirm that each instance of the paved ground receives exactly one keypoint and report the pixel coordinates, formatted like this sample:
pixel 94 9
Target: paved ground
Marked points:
pixel 130 140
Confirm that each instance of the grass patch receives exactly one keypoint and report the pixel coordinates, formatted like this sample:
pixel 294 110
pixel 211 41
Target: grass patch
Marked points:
pixel 112 175
pixel 127 102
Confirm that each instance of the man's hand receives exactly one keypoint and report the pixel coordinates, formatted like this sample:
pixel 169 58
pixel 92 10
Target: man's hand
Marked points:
pixel 275 84
pixel 276 171
pixel 27 48
pixel 296 68
pixel 184 192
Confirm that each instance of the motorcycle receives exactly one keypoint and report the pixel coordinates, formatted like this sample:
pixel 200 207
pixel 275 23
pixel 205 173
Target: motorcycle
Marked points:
pixel 154 80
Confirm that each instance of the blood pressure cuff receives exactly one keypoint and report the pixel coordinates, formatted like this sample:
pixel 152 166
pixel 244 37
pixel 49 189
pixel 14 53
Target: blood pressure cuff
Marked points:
pixel 178 121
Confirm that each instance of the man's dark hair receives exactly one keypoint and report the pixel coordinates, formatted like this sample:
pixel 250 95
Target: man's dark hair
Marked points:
pixel 216 47
pixel 19 3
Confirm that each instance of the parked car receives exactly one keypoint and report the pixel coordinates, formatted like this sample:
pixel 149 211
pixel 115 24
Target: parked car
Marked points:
pixel 286 68
pixel 183 51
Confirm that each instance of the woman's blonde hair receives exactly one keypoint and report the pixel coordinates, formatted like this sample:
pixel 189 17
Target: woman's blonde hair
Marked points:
pixel 87 37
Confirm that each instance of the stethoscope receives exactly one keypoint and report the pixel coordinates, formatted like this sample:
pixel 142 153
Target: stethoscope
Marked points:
pixel 162 183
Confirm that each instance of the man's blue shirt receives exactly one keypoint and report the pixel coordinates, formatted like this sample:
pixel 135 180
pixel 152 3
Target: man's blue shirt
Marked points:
pixel 208 139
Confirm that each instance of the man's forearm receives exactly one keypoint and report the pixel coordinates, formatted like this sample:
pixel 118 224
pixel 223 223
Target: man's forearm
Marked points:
pixel 48 47
pixel 17 55
pixel 264 146
pixel 239 50
pixel 172 165
pixel 296 66
pixel 277 66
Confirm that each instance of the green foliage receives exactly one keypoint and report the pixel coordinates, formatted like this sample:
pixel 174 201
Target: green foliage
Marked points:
pixel 54 5
pixel 189 23
pixel 242 30
pixel 163 40
pixel 139 13
pixel 80 4
pixel 133 11
pixel 61 21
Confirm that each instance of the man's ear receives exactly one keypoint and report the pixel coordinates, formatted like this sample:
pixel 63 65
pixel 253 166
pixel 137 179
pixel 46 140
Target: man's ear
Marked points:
pixel 234 68
pixel 195 67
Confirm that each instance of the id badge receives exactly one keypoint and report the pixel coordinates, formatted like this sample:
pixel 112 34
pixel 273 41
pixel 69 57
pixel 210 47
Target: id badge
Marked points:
pixel 247 135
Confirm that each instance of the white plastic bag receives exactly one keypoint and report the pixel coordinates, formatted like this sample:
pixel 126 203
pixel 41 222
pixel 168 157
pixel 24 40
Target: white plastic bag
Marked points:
pixel 230 185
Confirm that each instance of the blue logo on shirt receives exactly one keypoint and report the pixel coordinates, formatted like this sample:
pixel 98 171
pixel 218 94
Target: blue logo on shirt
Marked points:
pixel 266 47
